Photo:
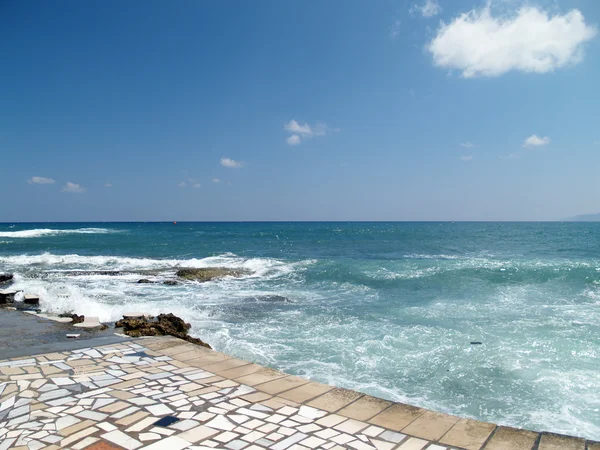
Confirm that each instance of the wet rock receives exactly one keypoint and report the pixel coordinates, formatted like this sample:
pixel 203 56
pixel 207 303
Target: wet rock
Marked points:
pixel 145 281
pixel 76 318
pixel 164 324
pixel 171 283
pixel 476 343
pixel 5 277
pixel 211 273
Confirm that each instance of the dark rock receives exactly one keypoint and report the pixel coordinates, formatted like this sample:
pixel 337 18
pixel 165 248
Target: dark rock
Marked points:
pixel 75 317
pixel 171 283
pixel 164 324
pixel 5 277
pixel 211 273
pixel 145 281
pixel 476 343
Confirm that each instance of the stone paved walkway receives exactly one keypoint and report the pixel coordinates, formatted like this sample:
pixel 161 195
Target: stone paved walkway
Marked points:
pixel 164 393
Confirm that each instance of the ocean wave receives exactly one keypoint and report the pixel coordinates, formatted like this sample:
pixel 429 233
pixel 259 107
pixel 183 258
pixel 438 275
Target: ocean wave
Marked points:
pixel 261 267
pixel 39 232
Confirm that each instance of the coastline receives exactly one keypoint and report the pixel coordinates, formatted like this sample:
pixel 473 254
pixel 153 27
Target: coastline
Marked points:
pixel 408 427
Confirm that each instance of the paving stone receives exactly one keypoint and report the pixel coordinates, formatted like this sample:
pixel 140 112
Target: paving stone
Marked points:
pixel 431 425
pixel 550 441
pixel 365 408
pixel 397 416
pixel 506 438
pixel 467 433
pixel 335 399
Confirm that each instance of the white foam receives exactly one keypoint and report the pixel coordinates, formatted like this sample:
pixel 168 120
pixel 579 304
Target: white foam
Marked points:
pixel 38 232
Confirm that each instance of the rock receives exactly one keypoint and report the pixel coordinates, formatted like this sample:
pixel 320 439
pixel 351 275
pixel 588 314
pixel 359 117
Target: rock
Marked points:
pixel 30 299
pixel 171 283
pixel 6 277
pixel 211 273
pixel 164 324
pixel 145 281
pixel 476 343
pixel 74 317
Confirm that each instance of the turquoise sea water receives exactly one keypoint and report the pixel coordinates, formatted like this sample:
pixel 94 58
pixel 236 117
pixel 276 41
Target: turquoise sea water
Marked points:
pixel 389 309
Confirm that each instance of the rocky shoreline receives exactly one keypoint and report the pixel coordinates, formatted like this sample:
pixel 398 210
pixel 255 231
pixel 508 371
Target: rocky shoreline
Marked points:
pixel 132 324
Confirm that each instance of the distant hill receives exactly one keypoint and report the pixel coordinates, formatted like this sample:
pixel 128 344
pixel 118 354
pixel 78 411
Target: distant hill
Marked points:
pixel 586 218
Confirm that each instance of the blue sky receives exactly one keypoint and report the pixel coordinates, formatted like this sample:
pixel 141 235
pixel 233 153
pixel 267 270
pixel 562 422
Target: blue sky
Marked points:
pixel 280 110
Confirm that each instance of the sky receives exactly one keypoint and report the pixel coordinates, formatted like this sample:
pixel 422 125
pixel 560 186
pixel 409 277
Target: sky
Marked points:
pixel 313 110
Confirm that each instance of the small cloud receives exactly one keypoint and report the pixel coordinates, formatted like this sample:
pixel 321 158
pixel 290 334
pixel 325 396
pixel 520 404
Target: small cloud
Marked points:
pixel 395 31
pixel 231 163
pixel 536 141
pixel 304 131
pixel 216 180
pixel 467 145
pixel 40 180
pixel 428 9
pixel 294 127
pixel 480 44
pixel 196 185
pixel 182 184
pixel 513 156
pixel 108 185
pixel 466 157
pixel 596 142
pixel 73 188
pixel 294 139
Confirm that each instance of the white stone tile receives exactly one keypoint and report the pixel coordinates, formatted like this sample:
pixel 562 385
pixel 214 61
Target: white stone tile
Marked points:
pixel 276 418
pixel 120 438
pixel 287 431
pixel 142 424
pixel 197 434
pixel 312 442
pixel 253 436
pixel 85 443
pixel 170 443
pixel 141 401
pixel 342 438
pixel 382 445
pixel 309 428
pixel 327 433
pixel 351 426
pixel 269 427
pixel 413 444
pixel 392 436
pixel 359 445
pixel 106 426
pixel 293 439
pixel 226 437
pixel 159 410
pixel 221 423
pixel 236 445
pixel 311 413
pixel 93 415
pixel 184 425
pixel 161 430
pixel 66 421
pixel 373 431
pixel 62 381
pixel 125 412
pixel 149 437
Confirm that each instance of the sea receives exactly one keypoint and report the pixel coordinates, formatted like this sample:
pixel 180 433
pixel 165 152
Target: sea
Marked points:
pixel 388 309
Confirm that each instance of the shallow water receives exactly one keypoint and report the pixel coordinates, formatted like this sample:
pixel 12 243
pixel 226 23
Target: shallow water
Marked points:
pixel 389 309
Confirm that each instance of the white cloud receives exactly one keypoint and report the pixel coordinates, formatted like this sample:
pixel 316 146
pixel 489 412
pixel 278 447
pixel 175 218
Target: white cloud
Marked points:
pixel 231 163
pixel 108 185
pixel 395 31
pixel 40 180
pixel 294 127
pixel 182 184
pixel 530 40
pixel 429 8
pixel 216 180
pixel 196 185
pixel 466 157
pixel 73 188
pixel 536 141
pixel 304 131
pixel 467 145
pixel 294 139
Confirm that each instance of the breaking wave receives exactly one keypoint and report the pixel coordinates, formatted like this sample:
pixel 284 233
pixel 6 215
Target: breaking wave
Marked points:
pixel 39 232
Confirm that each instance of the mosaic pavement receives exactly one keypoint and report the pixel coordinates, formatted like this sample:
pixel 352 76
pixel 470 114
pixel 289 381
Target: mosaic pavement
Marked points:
pixel 164 393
